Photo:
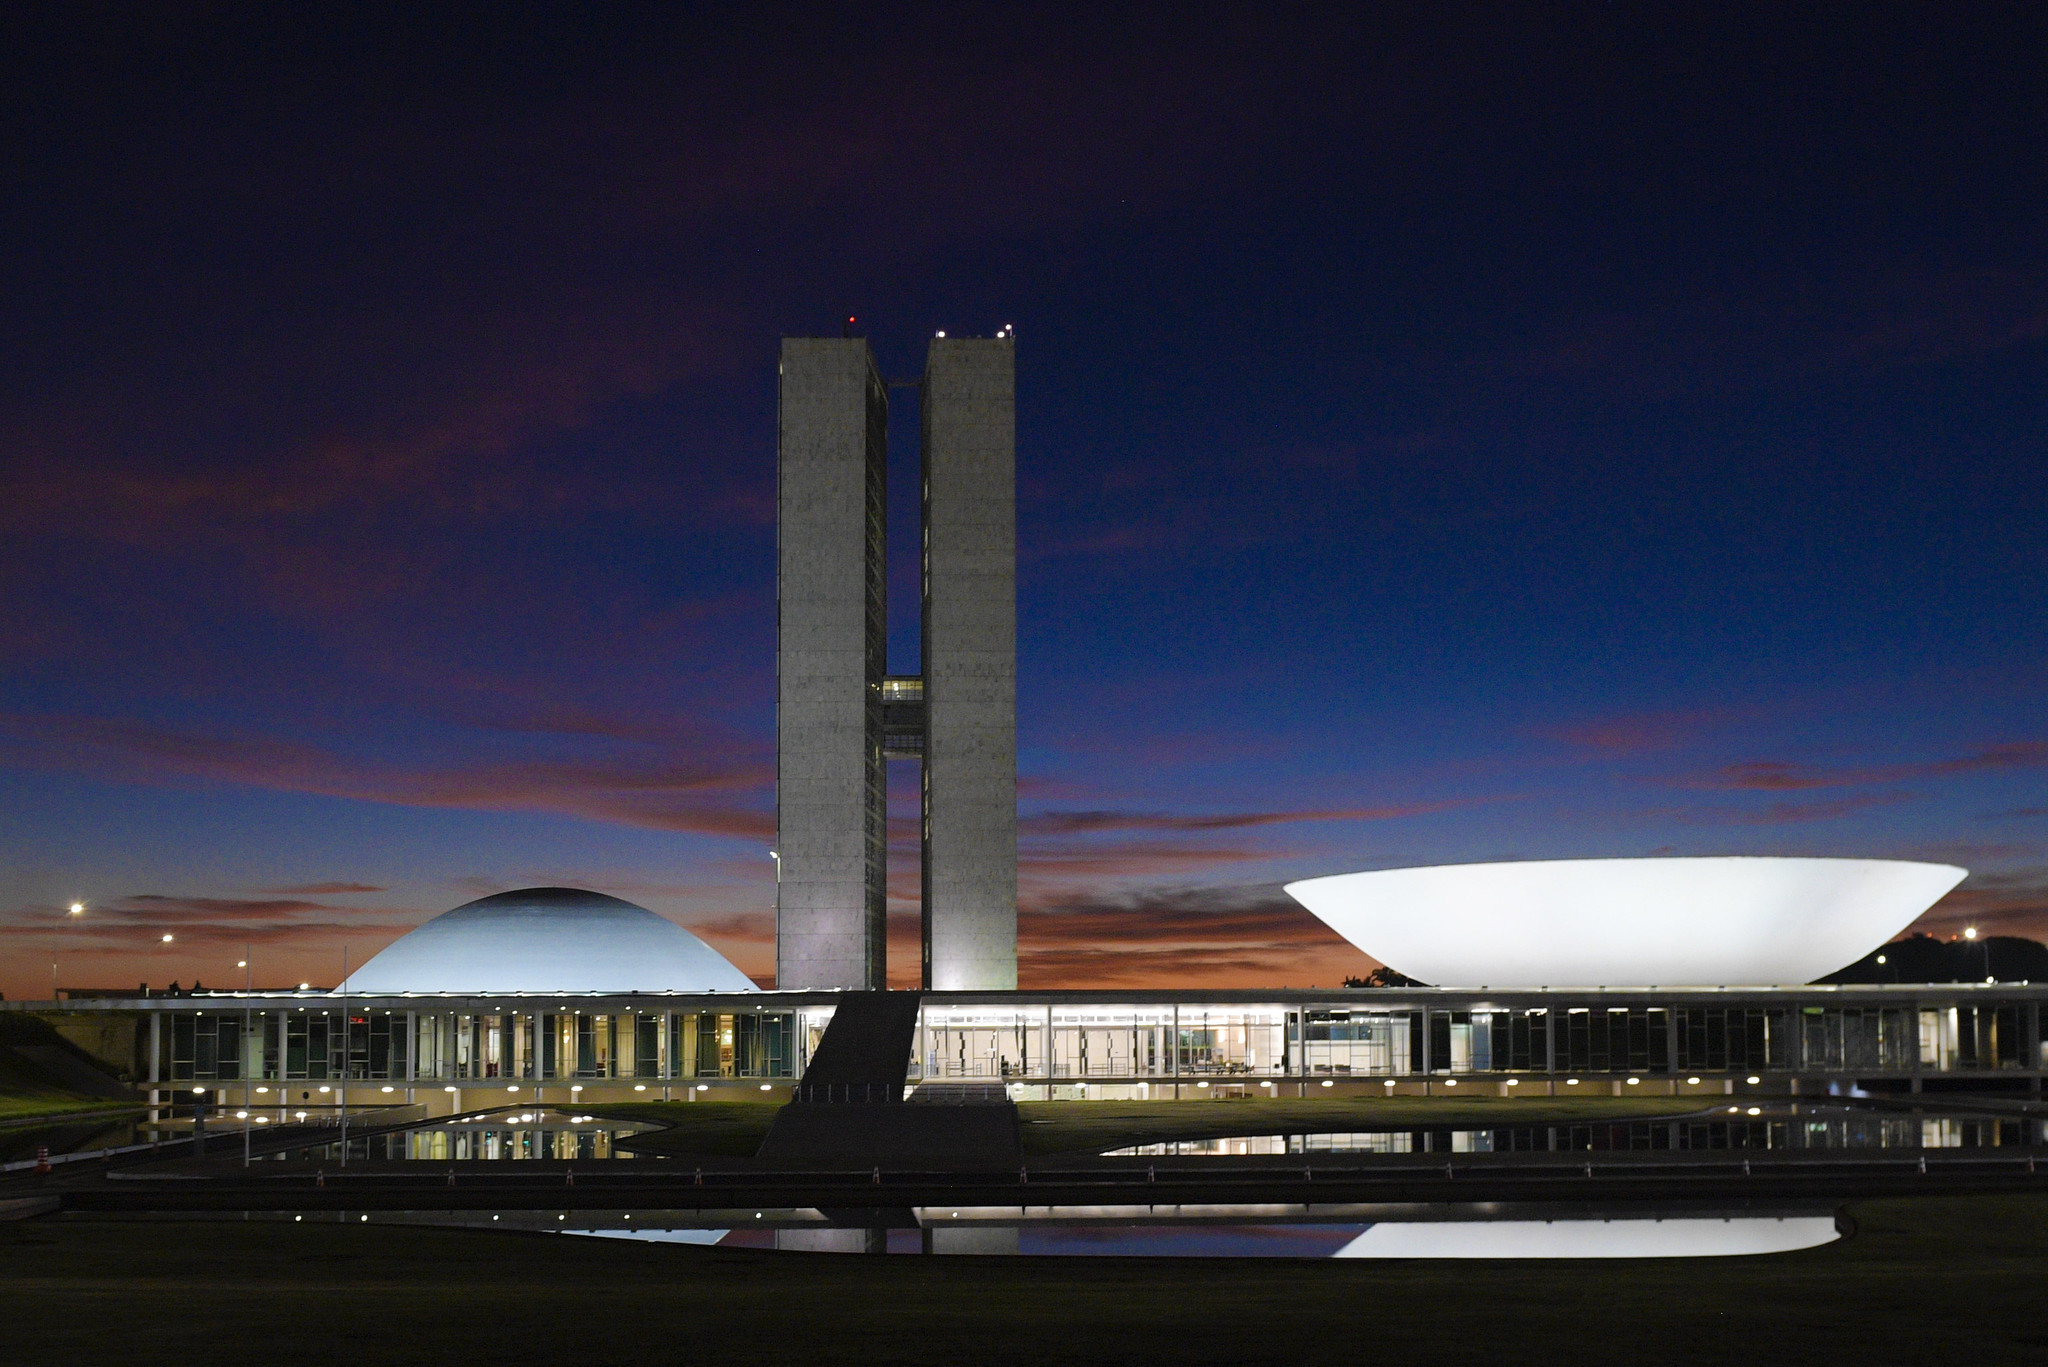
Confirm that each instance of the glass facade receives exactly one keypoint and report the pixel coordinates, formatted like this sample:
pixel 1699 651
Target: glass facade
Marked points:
pixel 382 1045
pixel 1053 1041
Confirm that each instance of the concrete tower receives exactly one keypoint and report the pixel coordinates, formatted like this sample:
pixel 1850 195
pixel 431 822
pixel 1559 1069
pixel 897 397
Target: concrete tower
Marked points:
pixel 840 716
pixel 831 785
pixel 969 783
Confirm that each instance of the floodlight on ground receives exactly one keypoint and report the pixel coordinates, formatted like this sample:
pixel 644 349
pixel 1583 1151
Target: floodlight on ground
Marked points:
pixel 639 1086
pixel 1514 1082
pixel 447 1089
pixel 78 908
pixel 1328 1083
pixel 1692 1082
pixel 1450 1082
pixel 1571 1082
pixel 1756 1110
pixel 766 1087
pixel 1633 1081
pixel 390 1089
pixel 1753 1081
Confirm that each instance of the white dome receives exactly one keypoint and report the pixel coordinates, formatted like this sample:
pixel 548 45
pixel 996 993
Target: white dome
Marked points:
pixel 1627 922
pixel 548 940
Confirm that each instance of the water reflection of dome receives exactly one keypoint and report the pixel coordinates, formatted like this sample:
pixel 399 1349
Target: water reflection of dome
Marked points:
pixel 1631 1238
pixel 549 940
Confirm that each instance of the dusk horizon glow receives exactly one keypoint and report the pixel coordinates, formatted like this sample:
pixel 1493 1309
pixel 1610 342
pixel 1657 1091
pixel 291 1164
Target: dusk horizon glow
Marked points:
pixel 1442 438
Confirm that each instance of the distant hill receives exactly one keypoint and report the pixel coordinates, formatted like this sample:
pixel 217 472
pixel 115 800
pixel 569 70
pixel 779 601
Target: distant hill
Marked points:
pixel 1924 959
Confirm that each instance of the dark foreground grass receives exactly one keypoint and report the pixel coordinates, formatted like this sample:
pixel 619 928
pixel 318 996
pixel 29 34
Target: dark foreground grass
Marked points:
pixel 735 1128
pixel 1934 1280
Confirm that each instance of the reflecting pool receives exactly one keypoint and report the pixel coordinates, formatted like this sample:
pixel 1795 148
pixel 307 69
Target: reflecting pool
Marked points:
pixel 1338 1230
pixel 1739 1129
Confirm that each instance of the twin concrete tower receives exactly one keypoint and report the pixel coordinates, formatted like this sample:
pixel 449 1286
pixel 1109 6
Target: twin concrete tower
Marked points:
pixel 840 715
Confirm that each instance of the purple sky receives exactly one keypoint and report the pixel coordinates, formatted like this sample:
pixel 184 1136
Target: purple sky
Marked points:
pixel 1443 436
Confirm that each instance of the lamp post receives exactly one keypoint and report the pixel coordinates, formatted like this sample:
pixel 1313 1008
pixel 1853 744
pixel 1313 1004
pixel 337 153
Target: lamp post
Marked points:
pixel 344 1055
pixel 74 911
pixel 248 1023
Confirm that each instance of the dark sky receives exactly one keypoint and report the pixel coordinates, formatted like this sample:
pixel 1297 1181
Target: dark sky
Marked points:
pixel 1446 433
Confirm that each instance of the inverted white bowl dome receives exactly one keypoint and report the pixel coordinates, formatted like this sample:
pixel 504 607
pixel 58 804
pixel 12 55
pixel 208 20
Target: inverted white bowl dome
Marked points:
pixel 549 940
pixel 1626 922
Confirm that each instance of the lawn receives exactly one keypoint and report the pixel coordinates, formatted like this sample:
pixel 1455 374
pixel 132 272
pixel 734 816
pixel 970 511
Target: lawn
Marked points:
pixel 1925 1280
pixel 734 1128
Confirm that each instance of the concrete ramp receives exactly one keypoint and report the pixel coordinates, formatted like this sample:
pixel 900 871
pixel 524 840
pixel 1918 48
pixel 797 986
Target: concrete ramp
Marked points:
pixel 865 1053
pixel 72 1073
pixel 849 1109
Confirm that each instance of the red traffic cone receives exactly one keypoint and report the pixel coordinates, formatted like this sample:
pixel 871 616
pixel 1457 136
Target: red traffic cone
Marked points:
pixel 42 1161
